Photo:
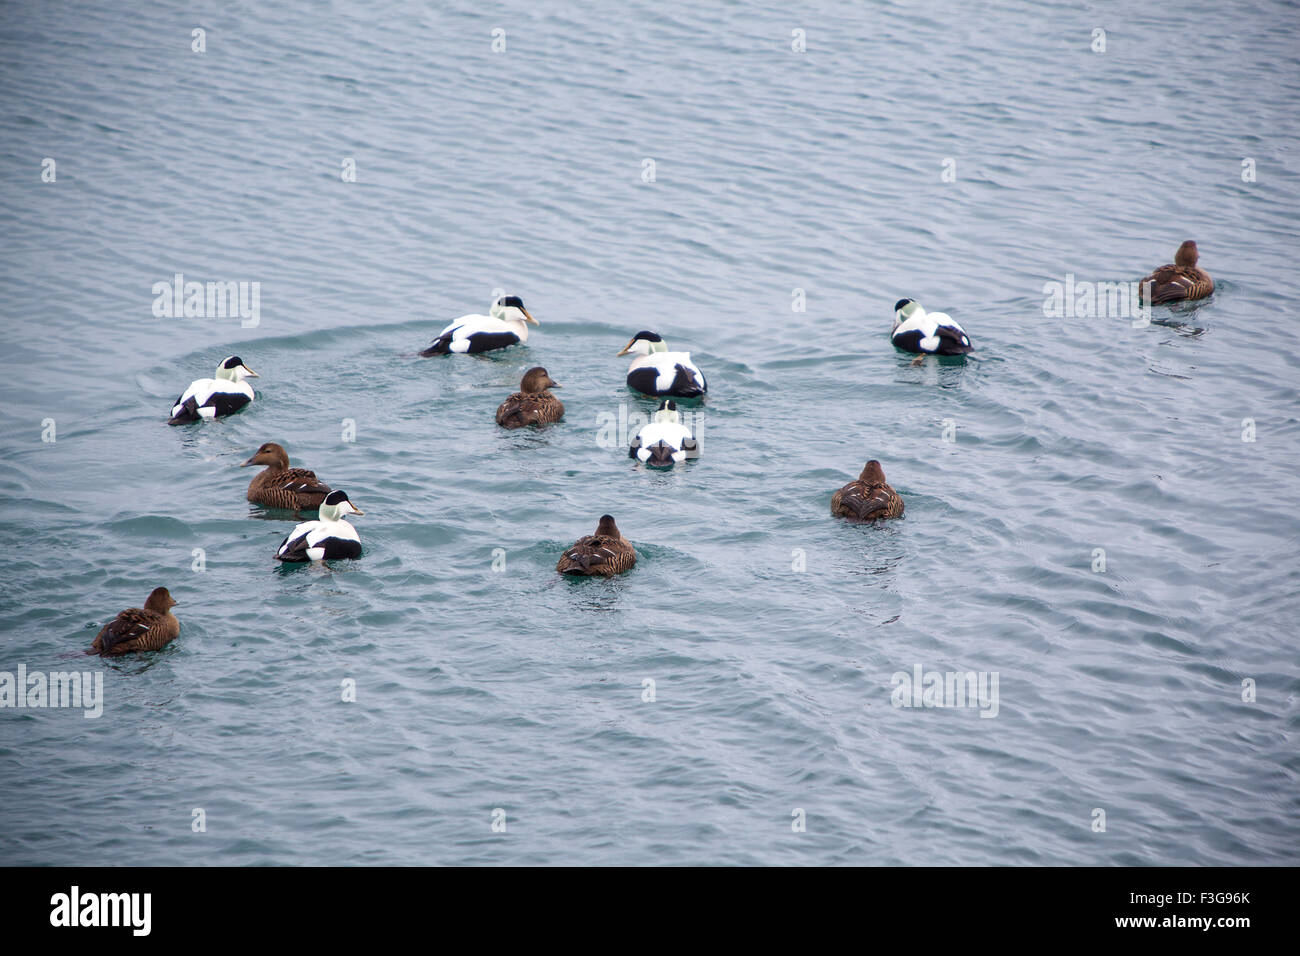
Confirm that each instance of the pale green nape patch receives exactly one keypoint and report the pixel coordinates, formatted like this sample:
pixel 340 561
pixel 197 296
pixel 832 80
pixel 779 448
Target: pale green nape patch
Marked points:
pixel 665 415
pixel 910 309
pixel 659 346
pixel 328 512
pixel 227 374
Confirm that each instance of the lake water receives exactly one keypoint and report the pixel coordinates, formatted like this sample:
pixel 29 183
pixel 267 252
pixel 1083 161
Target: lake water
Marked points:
pixel 1087 519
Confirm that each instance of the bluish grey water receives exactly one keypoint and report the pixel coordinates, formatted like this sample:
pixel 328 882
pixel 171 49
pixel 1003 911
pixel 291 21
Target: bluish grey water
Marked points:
pixel 775 170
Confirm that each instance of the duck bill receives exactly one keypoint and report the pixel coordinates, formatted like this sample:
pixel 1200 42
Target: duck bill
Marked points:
pixel 357 511
pixel 627 348
pixel 528 316
pixel 251 461
pixel 251 373
pixel 554 385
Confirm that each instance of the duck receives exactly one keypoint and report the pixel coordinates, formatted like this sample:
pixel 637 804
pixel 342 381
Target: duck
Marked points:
pixel 665 441
pixel 279 486
pixel 328 538
pixel 927 333
pixel 223 394
pixel 869 498
pixel 1182 281
pixel 602 554
pixel 505 324
pixel 658 372
pixel 139 629
pixel 532 404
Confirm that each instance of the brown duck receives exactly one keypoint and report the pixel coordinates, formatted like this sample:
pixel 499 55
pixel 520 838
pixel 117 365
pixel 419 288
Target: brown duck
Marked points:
pixel 868 498
pixel 139 629
pixel 280 486
pixel 604 553
pixel 532 404
pixel 1180 281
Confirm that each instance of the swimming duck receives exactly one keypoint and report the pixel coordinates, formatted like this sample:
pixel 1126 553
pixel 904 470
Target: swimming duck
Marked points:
pixel 213 397
pixel 505 325
pixel 532 404
pixel 868 498
pixel 929 333
pixel 139 629
pixel 665 441
pixel 657 371
pixel 1178 282
pixel 604 553
pixel 326 539
pixel 279 486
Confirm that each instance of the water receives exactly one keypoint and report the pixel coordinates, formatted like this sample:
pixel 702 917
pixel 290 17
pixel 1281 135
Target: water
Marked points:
pixel 774 171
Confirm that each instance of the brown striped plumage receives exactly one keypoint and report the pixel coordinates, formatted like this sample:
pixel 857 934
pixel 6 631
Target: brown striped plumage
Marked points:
pixel 280 486
pixel 868 498
pixel 1180 281
pixel 604 553
pixel 532 404
pixel 139 629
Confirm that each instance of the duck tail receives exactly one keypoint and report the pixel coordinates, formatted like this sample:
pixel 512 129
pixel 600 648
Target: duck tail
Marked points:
pixel 441 346
pixel 189 413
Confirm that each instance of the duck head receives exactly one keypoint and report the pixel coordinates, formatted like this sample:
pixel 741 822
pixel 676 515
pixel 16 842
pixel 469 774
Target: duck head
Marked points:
pixel 537 380
pixel 607 528
pixel 336 505
pixel 667 412
pixel 1186 255
pixel 510 308
pixel 160 601
pixel 904 309
pixel 269 454
pixel 872 474
pixel 643 343
pixel 233 369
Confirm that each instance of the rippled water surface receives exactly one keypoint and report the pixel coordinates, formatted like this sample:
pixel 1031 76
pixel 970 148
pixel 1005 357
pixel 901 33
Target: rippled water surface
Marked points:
pixel 774 171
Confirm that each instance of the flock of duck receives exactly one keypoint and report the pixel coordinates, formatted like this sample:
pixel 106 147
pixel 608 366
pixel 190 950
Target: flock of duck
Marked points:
pixel 663 442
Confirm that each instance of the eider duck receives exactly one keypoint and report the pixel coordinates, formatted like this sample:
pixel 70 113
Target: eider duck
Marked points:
pixel 279 486
pixel 927 333
pixel 657 371
pixel 868 498
pixel 665 441
pixel 1178 282
pixel 532 404
pixel 604 553
pixel 213 397
pixel 327 539
pixel 139 629
pixel 505 325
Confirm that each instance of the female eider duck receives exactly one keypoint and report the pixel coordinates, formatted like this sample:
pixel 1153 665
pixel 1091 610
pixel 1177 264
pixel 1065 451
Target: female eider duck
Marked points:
pixel 327 539
pixel 213 397
pixel 505 325
pixel 532 404
pixel 927 333
pixel 868 498
pixel 657 371
pixel 665 441
pixel 279 486
pixel 603 554
pixel 1178 282
pixel 139 629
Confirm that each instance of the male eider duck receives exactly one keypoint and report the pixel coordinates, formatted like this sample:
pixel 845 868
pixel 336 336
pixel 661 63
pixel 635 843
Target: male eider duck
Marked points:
pixel 506 325
pixel 927 333
pixel 327 539
pixel 532 404
pixel 657 371
pixel 868 498
pixel 603 554
pixel 1178 282
pixel 665 441
pixel 213 397
pixel 279 486
pixel 139 629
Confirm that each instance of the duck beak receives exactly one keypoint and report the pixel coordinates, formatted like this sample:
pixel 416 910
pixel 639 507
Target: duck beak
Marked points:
pixel 357 511
pixel 249 462
pixel 551 384
pixel 528 316
pixel 626 348
pixel 251 373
